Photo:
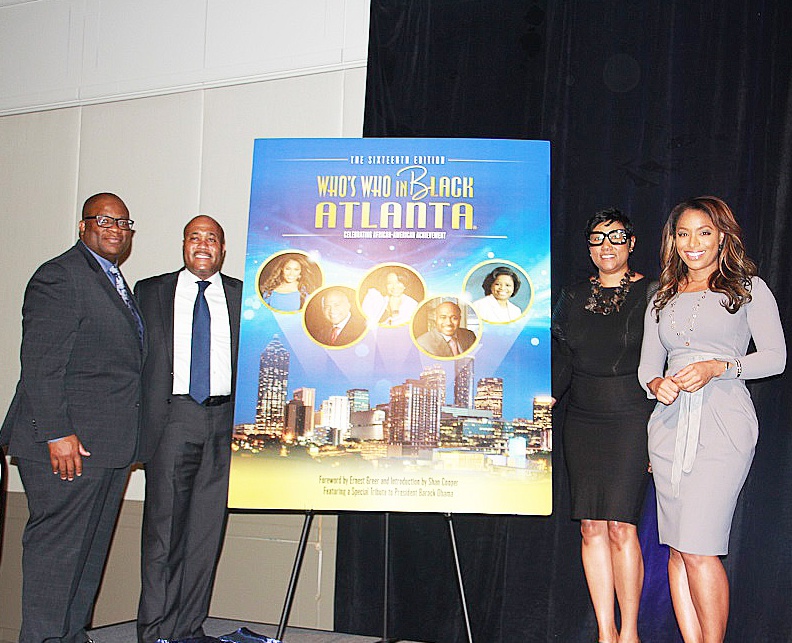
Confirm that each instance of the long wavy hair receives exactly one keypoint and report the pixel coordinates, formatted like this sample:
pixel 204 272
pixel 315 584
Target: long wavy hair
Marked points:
pixel 274 276
pixel 733 274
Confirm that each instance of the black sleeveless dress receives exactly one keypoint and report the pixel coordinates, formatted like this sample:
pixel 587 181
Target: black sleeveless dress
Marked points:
pixel 595 362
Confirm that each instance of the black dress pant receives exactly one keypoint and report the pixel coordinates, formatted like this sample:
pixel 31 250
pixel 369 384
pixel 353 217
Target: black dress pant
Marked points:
pixel 184 520
pixel 64 548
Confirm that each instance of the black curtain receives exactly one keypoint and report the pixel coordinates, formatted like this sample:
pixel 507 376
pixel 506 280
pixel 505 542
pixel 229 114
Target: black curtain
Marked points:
pixel 645 102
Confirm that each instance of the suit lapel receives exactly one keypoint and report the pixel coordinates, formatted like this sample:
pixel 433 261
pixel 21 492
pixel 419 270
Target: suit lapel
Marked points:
pixel 167 297
pixel 233 296
pixel 444 350
pixel 104 283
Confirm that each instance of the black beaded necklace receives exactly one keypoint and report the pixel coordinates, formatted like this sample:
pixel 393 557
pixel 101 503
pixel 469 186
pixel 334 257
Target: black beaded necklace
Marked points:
pixel 598 303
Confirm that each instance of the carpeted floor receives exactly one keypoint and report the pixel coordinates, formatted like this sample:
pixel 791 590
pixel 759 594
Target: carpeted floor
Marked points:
pixel 125 633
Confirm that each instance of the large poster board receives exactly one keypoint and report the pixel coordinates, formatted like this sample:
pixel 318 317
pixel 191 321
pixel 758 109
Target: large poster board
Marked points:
pixel 395 340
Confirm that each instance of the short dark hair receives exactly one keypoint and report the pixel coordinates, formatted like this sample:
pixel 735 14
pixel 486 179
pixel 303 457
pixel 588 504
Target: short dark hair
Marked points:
pixel 92 200
pixel 400 273
pixel 609 215
pixel 486 286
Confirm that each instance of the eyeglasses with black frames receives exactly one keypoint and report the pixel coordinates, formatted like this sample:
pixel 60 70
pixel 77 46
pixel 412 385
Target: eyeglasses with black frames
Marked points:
pixel 616 237
pixel 103 221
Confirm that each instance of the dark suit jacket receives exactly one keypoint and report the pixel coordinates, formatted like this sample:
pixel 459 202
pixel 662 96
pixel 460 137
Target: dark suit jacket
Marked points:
pixel 81 363
pixel 353 329
pixel 155 297
pixel 432 342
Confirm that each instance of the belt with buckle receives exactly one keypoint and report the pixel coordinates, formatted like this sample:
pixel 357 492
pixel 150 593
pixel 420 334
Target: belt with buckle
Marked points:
pixel 212 400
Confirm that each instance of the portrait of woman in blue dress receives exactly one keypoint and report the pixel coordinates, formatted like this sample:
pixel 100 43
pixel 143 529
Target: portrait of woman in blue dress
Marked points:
pixel 287 280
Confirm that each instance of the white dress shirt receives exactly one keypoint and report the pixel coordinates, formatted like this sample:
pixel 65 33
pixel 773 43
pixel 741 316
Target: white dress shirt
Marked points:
pixel 220 357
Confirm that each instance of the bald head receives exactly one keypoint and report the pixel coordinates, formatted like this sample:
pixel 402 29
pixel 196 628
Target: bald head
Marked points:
pixel 95 203
pixel 203 246
pixel 204 219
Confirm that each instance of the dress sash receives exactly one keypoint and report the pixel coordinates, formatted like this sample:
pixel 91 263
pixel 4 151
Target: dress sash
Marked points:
pixel 689 420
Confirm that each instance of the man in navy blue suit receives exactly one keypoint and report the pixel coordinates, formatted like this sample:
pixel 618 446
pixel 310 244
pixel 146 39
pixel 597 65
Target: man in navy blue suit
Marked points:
pixel 73 421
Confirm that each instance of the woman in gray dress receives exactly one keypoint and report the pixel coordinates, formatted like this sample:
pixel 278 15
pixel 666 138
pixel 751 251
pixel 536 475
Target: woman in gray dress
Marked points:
pixel 703 430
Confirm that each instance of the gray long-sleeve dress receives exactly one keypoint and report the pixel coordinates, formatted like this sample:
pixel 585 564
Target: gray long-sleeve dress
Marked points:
pixel 702 445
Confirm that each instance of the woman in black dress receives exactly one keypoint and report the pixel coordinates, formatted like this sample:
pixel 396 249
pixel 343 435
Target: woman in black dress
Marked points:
pixel 597 332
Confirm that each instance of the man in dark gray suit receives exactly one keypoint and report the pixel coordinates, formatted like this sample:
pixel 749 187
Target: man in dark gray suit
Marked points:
pixel 192 318
pixel 75 415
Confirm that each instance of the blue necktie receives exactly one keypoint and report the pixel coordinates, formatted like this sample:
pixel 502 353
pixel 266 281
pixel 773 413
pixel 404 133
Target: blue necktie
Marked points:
pixel 120 286
pixel 201 346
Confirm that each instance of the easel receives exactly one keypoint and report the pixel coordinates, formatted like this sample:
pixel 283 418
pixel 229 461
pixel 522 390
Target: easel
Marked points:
pixel 298 560
pixel 295 575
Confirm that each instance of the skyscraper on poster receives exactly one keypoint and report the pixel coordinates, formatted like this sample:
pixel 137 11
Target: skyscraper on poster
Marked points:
pixel 395 341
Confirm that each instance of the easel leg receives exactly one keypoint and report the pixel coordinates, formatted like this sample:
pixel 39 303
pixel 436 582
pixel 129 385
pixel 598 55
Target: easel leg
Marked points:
pixel 295 575
pixel 461 586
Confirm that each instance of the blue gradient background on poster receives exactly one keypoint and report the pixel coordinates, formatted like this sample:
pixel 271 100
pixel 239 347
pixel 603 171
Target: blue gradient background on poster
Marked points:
pixel 511 212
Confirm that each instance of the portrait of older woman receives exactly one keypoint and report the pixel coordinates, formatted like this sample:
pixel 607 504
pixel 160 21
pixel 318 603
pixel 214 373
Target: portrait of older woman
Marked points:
pixel 286 280
pixel 499 286
pixel 387 300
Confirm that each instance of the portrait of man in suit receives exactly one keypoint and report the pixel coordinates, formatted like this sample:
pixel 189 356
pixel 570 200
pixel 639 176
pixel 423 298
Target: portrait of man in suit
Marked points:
pixel 332 318
pixel 73 422
pixel 445 338
pixel 185 443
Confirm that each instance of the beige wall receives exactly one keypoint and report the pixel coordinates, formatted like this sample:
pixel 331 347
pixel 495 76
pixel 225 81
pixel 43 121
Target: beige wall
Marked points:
pixel 160 103
pixel 169 157
pixel 63 53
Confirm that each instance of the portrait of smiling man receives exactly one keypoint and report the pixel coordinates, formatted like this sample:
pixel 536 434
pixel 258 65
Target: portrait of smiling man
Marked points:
pixel 446 338
pixel 333 319
pixel 185 443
